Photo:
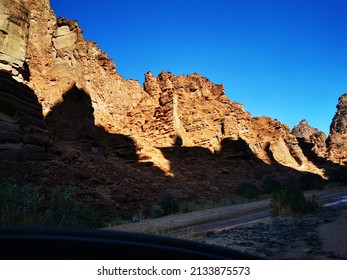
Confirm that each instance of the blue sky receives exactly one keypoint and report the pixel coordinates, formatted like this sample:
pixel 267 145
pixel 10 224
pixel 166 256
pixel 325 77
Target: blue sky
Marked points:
pixel 286 59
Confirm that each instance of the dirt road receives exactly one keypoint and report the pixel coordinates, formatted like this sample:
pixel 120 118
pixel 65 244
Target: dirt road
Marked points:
pixel 199 222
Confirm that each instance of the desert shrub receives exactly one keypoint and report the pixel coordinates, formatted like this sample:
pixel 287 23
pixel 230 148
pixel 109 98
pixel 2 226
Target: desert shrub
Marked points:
pixel 19 204
pixel 287 200
pixel 290 200
pixel 311 205
pixel 310 181
pixel 64 210
pixel 156 211
pixel 270 184
pixel 169 204
pixel 248 190
pixel 24 204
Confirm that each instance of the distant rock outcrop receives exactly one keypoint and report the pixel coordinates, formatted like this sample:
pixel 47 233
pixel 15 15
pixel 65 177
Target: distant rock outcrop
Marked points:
pixel 337 141
pixel 310 135
pixel 304 130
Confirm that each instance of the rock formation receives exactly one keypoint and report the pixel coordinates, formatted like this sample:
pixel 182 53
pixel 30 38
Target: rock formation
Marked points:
pixel 337 140
pixel 305 133
pixel 304 130
pixel 196 111
pixel 122 145
pixel 14 26
pixel 23 133
pixel 53 56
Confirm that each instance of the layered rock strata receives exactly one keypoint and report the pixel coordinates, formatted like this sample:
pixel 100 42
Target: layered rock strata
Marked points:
pixel 23 133
pixel 14 27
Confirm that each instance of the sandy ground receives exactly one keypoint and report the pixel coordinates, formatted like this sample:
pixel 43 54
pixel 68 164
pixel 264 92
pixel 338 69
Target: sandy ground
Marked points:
pixel 334 235
pixel 169 224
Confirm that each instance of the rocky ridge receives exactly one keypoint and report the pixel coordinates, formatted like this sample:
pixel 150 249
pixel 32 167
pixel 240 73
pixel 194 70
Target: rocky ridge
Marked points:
pixel 122 145
pixel 305 133
pixel 337 140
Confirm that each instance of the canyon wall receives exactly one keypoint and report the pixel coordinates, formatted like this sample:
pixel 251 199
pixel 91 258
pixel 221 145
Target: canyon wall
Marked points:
pixel 68 118
pixel 337 140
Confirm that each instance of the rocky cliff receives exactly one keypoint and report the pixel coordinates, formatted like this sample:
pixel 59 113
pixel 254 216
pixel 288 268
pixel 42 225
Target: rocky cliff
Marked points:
pixel 23 132
pixel 122 145
pixel 14 33
pixel 309 135
pixel 192 111
pixel 337 141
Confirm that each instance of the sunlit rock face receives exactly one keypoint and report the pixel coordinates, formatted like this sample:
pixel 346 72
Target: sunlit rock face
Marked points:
pixel 122 145
pixel 169 110
pixel 14 23
pixel 51 55
pixel 198 113
pixel 304 130
pixel 337 141
pixel 305 133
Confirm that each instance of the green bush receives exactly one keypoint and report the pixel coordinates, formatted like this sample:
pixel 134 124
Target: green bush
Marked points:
pixel 169 204
pixel 270 184
pixel 290 200
pixel 24 204
pixel 248 190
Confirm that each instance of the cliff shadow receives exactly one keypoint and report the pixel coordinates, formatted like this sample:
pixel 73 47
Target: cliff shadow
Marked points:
pixel 219 174
pixel 103 167
pixel 23 133
pixel 73 118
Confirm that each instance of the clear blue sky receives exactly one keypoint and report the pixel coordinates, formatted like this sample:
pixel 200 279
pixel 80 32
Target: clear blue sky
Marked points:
pixel 286 59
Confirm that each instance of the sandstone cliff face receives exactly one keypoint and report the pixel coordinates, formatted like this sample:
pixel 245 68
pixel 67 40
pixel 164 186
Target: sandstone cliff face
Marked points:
pixel 192 111
pixel 311 135
pixel 184 110
pixel 65 58
pixel 337 141
pixel 14 25
pixel 52 55
pixel 121 144
pixel 23 133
